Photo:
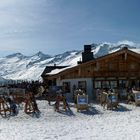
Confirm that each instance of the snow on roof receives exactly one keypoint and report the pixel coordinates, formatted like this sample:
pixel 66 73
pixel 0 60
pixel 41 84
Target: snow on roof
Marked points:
pixel 136 50
pixel 56 71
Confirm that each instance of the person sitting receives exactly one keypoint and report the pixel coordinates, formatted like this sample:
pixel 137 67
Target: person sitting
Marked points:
pixel 47 95
pixel 130 97
pixel 13 106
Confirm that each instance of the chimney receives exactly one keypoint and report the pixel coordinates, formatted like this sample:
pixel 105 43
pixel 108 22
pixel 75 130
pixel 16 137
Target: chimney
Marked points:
pixel 87 55
pixel 87 48
pixel 79 62
pixel 125 48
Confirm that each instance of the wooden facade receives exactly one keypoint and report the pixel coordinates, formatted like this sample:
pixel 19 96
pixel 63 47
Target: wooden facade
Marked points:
pixel 120 69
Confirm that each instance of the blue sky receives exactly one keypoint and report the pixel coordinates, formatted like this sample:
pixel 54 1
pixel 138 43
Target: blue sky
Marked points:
pixel 55 26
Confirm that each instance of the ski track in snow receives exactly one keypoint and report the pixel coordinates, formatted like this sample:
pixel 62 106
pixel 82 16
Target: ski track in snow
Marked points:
pixel 95 124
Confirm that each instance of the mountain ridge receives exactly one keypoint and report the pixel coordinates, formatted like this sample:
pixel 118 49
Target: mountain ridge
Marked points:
pixel 20 67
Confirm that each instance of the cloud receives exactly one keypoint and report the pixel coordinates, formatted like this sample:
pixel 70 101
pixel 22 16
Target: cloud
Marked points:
pixel 22 23
pixel 126 42
pixel 22 15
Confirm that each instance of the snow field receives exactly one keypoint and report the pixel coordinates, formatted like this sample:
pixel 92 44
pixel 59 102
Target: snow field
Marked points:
pixel 95 124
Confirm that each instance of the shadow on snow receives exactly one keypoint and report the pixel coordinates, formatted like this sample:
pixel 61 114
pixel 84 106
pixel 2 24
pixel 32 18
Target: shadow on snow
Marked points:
pixel 122 109
pixel 91 111
pixel 68 112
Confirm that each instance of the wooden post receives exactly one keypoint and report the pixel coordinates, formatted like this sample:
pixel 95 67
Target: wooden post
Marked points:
pixel 4 108
pixel 28 104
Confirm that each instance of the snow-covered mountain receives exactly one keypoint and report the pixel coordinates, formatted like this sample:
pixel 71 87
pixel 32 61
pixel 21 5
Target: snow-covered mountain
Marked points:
pixel 19 67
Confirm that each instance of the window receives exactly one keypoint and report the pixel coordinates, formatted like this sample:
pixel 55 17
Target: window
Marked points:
pixel 122 83
pixel 98 84
pixel 66 86
pixel 105 84
pixel 113 84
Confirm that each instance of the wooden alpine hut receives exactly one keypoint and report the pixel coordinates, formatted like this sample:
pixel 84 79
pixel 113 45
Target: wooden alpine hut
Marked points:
pixel 118 70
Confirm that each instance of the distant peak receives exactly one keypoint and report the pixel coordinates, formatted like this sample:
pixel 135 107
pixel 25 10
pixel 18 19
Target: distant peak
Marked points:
pixel 39 53
pixel 19 55
pixel 42 55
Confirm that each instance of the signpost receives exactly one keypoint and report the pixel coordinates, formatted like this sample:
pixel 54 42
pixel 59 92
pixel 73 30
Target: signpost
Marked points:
pixel 82 102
